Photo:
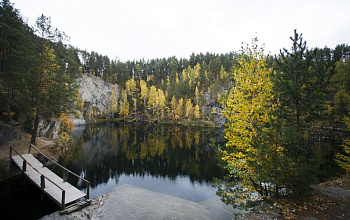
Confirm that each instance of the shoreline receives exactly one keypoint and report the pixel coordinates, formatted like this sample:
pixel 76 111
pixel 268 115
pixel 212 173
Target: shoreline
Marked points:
pixel 130 202
pixel 48 147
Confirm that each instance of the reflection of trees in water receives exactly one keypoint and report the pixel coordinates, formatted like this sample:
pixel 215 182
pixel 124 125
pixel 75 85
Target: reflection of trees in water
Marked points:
pixel 169 151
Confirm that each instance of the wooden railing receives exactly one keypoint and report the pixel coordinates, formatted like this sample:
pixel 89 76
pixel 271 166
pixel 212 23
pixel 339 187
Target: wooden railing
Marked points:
pixel 42 176
pixel 65 170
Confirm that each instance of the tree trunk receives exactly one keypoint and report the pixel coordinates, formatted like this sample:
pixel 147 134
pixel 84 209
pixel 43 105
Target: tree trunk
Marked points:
pixel 36 120
pixel 36 125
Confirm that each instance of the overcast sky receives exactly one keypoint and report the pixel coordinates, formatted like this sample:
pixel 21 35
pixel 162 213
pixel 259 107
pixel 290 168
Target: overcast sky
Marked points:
pixel 134 29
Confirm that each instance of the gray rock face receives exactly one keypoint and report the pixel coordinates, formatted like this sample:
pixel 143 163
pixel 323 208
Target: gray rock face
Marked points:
pixel 96 92
pixel 210 104
pixel 49 128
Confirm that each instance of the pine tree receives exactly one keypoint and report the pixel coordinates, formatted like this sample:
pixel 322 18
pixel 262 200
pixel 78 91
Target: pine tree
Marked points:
pixel 54 92
pixel 179 109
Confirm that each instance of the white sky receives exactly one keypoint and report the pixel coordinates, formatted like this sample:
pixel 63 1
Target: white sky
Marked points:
pixel 135 29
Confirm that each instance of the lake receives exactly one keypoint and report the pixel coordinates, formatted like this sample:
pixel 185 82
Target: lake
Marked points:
pixel 171 159
pixel 175 160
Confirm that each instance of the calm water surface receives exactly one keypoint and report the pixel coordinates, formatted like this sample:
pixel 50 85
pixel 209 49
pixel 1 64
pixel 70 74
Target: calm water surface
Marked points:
pixel 174 160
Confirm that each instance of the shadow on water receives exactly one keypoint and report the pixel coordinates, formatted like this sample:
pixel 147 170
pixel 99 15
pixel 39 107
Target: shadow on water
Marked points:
pixel 20 200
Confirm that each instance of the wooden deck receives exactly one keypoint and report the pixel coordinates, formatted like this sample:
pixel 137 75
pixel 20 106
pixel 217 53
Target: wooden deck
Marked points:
pixel 50 184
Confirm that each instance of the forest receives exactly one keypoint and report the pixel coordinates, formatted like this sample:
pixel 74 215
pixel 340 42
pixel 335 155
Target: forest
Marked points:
pixel 273 104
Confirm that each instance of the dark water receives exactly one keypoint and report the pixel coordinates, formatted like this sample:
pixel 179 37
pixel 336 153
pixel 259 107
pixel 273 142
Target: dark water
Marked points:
pixel 174 160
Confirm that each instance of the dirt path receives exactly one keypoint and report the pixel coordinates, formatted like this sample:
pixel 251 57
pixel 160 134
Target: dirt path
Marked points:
pixel 329 200
pixel 44 145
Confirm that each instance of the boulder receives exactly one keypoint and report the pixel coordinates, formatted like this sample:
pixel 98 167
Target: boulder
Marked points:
pixel 49 128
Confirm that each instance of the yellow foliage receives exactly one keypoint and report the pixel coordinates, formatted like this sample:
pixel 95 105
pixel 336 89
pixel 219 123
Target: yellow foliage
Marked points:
pixel 124 105
pixel 8 114
pixel 67 124
pixel 248 110
pixel 197 113
pixel 343 159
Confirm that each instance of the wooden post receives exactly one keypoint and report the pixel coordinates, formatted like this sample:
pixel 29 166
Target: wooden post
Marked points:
pixel 11 153
pixel 42 183
pixel 65 175
pixel 30 146
pixel 88 191
pixel 24 167
pixel 44 162
pixel 63 199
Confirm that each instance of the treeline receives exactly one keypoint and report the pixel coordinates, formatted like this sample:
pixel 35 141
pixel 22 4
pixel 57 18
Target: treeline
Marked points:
pixel 171 88
pixel 35 69
pixel 35 63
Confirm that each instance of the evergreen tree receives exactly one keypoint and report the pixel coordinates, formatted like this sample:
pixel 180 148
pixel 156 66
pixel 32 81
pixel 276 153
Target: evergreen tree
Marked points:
pixel 51 79
pixel 340 84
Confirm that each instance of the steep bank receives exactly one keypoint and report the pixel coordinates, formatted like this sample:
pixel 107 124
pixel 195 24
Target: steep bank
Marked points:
pixel 97 93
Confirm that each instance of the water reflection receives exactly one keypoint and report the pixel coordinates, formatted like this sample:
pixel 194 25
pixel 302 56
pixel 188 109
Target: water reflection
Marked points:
pixel 169 159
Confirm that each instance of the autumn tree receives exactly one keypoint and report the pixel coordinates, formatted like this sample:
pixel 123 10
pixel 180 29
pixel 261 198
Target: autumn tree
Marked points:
pixel 340 84
pixel 343 159
pixel 161 103
pixel 79 100
pixel 152 99
pixel 189 109
pixel 144 93
pixel 173 103
pixel 114 104
pixel 131 88
pixel 124 105
pixel 66 128
pixel 197 113
pixel 252 152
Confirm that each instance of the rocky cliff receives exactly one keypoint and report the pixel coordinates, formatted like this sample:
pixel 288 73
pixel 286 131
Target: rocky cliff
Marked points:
pixel 96 92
